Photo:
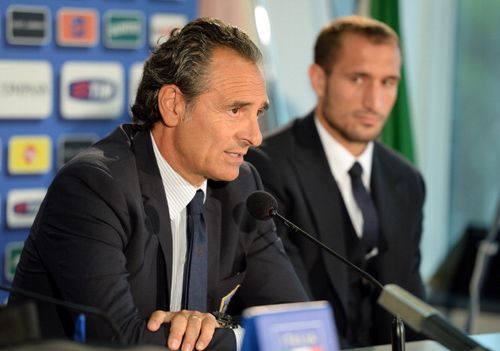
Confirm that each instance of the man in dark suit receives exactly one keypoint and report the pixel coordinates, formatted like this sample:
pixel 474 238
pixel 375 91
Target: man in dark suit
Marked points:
pixel 375 220
pixel 111 231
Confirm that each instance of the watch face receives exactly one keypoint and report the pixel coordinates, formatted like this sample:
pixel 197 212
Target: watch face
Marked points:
pixel 225 320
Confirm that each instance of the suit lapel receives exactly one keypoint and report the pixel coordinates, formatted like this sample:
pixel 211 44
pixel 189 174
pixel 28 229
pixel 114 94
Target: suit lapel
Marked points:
pixel 324 199
pixel 154 198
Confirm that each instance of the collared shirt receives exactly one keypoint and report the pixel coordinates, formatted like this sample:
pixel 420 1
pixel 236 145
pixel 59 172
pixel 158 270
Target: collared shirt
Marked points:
pixel 340 161
pixel 179 194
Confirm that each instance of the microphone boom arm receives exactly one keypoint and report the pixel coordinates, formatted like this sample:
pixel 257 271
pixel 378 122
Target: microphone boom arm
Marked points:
pixel 368 276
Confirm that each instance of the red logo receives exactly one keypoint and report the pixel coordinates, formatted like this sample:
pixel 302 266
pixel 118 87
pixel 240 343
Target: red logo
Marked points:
pixel 77 27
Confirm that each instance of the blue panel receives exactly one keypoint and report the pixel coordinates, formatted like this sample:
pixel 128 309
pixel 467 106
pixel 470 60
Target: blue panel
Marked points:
pixel 22 42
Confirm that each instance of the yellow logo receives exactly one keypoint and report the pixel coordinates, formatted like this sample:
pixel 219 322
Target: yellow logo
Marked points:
pixel 29 154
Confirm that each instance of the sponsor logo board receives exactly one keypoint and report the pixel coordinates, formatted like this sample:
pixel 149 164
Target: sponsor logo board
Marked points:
pixel 162 24
pixel 26 89
pixel 134 78
pixel 12 254
pixel 92 90
pixel 123 29
pixel 77 27
pixel 71 144
pixel 27 25
pixel 22 206
pixel 29 154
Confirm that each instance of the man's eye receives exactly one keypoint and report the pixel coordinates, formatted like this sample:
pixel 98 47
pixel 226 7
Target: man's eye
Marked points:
pixel 390 82
pixel 234 111
pixel 357 79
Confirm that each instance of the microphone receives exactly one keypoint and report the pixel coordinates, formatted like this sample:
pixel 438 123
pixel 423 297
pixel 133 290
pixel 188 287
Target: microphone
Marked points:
pixel 69 306
pixel 400 303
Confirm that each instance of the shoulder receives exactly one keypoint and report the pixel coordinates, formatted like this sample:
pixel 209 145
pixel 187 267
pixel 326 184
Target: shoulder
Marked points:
pixel 390 161
pixel 111 157
pixel 388 156
pixel 293 133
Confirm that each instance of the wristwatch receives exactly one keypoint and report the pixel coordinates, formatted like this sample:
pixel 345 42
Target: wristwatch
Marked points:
pixel 225 320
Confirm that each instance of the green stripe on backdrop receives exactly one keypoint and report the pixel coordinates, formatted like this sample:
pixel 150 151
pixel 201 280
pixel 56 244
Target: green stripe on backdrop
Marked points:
pixel 397 132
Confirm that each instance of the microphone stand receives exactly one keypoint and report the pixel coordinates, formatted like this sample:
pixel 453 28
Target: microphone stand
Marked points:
pixel 398 329
pixel 488 247
pixel 398 336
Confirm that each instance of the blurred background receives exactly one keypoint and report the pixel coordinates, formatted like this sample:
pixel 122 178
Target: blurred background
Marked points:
pixel 69 71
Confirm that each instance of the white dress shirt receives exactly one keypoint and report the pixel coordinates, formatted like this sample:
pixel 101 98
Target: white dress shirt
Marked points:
pixel 179 194
pixel 340 161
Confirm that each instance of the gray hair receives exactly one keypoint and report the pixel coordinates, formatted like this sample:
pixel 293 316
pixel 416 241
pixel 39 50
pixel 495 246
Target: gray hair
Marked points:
pixel 183 60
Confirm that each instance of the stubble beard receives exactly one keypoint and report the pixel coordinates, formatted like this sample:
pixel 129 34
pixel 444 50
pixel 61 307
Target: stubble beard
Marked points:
pixel 350 136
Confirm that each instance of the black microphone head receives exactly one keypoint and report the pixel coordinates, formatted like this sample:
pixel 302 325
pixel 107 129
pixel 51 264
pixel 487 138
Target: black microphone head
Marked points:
pixel 261 205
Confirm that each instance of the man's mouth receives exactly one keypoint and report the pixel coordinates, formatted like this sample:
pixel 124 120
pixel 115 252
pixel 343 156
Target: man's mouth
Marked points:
pixel 235 154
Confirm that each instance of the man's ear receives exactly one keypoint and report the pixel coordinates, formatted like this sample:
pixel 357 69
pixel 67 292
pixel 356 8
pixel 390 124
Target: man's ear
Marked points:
pixel 171 105
pixel 318 78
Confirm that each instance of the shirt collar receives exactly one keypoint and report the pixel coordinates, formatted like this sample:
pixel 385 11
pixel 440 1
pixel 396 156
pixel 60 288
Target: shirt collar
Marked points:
pixel 339 156
pixel 178 190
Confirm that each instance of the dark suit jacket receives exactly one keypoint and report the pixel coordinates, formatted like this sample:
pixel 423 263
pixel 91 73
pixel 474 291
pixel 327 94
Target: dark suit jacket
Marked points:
pixel 294 168
pixel 102 238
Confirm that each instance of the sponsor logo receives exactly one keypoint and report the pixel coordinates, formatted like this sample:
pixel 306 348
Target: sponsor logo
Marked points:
pixel 29 154
pixel 12 255
pixel 22 206
pixel 95 90
pixel 25 89
pixel 123 29
pixel 134 78
pixel 27 25
pixel 77 27
pixel 92 90
pixel 162 24
pixel 70 145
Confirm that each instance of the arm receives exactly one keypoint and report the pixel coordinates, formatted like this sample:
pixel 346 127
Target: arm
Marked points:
pixel 93 249
pixel 416 285
pixel 82 233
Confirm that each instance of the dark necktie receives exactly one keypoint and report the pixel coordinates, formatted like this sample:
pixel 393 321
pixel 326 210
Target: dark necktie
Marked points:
pixel 196 265
pixel 365 204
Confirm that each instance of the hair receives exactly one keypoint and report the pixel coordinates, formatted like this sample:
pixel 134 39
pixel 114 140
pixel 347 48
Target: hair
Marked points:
pixel 184 60
pixel 329 42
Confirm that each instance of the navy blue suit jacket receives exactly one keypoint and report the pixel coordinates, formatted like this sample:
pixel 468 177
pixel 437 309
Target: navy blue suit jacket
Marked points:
pixel 102 238
pixel 294 168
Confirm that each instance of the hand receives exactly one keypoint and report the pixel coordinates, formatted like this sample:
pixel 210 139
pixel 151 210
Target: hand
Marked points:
pixel 196 328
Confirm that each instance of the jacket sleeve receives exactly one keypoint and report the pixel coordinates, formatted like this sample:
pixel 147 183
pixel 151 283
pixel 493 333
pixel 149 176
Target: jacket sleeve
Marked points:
pixel 82 233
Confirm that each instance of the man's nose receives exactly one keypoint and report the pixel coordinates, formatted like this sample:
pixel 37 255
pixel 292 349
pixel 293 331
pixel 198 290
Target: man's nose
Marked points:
pixel 373 97
pixel 251 133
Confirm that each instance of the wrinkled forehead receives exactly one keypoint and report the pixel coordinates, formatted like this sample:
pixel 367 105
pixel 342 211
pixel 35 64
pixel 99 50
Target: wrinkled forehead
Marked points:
pixel 228 67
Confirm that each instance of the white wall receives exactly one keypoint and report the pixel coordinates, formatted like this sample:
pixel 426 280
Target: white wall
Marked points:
pixel 429 42
pixel 294 26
